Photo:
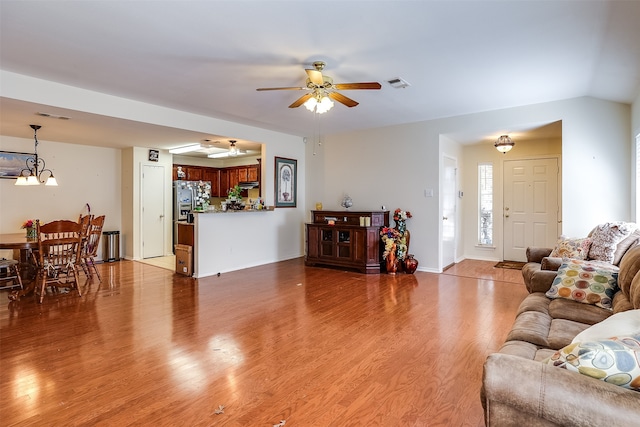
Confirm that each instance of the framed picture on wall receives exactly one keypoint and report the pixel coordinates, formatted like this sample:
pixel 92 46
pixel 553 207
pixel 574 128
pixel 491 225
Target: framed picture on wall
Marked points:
pixel 11 164
pixel 286 183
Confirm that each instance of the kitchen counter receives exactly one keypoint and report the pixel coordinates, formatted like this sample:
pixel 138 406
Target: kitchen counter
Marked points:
pixel 266 209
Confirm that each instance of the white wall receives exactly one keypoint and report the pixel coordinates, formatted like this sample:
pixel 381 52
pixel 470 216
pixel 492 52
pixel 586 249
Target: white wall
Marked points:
pixel 84 174
pixel 393 165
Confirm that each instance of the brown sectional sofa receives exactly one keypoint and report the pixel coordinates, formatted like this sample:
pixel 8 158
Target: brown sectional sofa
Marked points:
pixel 518 390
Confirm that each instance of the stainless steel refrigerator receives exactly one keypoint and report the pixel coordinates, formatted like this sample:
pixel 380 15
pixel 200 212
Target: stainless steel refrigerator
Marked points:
pixel 187 196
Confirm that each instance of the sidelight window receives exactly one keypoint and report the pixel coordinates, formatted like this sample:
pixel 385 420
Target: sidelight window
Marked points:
pixel 485 203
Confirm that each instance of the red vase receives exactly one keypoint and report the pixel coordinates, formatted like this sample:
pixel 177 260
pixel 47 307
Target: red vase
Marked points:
pixel 410 264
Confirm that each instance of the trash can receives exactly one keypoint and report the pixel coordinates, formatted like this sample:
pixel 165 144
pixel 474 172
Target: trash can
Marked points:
pixel 111 246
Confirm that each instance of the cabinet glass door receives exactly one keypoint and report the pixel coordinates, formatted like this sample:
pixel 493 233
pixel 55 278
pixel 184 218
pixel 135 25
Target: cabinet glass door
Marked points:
pixel 344 244
pixel 326 243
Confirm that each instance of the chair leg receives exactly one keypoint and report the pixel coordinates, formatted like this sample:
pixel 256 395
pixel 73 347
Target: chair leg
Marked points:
pixel 76 276
pixel 43 285
pixel 93 264
pixel 17 273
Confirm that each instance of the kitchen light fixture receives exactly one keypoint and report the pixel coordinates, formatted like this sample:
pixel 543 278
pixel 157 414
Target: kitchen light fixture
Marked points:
pixel 35 167
pixel 319 102
pixel 233 151
pixel 185 149
pixel 504 144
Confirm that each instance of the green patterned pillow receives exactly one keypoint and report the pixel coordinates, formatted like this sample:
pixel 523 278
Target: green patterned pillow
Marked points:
pixel 589 282
pixel 614 360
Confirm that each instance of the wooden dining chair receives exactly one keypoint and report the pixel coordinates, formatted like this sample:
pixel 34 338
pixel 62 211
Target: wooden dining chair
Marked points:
pixel 90 247
pixel 59 251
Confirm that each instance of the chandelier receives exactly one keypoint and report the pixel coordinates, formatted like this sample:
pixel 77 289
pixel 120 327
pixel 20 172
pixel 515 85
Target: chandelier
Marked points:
pixel 319 102
pixel 35 167
pixel 504 144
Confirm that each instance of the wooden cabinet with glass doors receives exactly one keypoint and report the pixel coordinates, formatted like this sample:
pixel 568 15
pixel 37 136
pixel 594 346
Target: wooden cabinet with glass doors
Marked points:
pixel 345 243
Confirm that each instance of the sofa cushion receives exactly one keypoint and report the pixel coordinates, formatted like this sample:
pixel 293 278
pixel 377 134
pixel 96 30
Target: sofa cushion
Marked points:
pixel 562 331
pixel 532 327
pixel 615 360
pixel 571 248
pixel 561 308
pixel 605 239
pixel 625 323
pixel 629 241
pixel 629 267
pixel 586 282
pixel 550 263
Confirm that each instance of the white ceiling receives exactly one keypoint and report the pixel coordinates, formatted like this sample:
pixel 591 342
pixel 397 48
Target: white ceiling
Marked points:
pixel 208 57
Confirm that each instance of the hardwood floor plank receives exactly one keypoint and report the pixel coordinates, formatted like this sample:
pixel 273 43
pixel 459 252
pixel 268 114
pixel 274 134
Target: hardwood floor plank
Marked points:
pixel 312 346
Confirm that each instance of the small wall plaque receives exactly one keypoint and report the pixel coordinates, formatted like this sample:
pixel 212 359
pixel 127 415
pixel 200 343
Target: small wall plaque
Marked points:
pixel 154 155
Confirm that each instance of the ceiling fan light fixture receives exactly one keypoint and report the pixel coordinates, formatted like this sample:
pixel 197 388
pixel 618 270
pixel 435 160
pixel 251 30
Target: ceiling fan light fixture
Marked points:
pixel 504 144
pixel 319 103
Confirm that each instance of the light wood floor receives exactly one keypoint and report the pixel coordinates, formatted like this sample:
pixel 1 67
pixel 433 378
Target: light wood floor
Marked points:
pixel 311 346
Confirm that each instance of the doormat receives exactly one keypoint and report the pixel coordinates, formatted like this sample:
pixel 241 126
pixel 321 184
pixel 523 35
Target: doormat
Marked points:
pixel 512 265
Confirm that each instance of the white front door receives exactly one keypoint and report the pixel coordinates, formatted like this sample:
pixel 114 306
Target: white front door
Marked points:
pixel 449 210
pixel 153 216
pixel 530 213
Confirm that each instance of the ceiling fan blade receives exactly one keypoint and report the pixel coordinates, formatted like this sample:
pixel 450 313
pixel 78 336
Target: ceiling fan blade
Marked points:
pixel 353 86
pixel 342 99
pixel 281 88
pixel 315 77
pixel 301 100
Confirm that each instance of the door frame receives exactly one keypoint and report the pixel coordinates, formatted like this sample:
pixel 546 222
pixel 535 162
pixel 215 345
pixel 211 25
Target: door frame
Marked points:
pixel 456 209
pixel 558 157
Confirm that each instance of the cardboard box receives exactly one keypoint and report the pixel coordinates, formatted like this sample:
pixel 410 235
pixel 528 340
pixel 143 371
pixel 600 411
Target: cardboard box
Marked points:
pixel 184 260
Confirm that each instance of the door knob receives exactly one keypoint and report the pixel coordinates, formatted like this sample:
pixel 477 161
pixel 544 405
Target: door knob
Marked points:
pixel 444 218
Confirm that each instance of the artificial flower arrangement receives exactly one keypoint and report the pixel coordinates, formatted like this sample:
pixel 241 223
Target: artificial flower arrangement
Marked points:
pixel 389 236
pixel 28 224
pixel 396 236
pixel 400 215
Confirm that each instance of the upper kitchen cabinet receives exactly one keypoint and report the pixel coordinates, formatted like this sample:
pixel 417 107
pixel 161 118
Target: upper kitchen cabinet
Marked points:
pixel 212 175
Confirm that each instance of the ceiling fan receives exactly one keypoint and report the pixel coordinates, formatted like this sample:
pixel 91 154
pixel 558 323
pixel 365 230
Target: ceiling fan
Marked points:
pixel 321 88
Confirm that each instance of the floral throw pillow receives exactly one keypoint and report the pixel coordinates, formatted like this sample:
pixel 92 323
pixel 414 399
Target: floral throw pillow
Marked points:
pixel 614 360
pixel 605 239
pixel 572 248
pixel 588 282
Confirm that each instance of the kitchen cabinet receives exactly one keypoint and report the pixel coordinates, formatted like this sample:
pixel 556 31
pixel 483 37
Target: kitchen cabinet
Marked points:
pixel 212 175
pixel 221 178
pixel 345 243
pixel 194 173
pixel 224 182
pixel 242 174
pixel 253 173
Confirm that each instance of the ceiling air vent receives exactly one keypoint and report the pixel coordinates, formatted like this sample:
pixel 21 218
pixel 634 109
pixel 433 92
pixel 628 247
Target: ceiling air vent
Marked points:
pixel 398 83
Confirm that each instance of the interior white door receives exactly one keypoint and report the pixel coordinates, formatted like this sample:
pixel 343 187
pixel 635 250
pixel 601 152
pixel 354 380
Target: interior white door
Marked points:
pixel 449 210
pixel 153 215
pixel 530 213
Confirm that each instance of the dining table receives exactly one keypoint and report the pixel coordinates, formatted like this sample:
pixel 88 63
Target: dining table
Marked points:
pixel 22 247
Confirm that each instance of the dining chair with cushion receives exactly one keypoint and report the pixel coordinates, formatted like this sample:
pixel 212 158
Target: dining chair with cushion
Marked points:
pixel 59 252
pixel 90 247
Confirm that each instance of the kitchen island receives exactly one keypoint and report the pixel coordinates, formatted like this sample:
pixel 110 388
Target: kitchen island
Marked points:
pixel 234 239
